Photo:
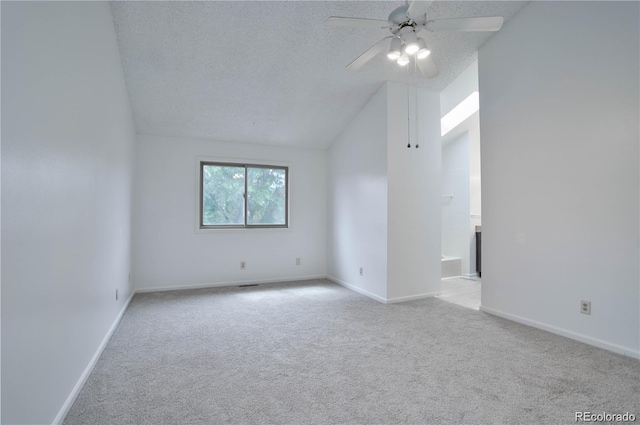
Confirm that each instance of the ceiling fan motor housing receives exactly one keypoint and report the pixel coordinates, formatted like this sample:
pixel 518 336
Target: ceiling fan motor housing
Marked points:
pixel 399 15
pixel 401 23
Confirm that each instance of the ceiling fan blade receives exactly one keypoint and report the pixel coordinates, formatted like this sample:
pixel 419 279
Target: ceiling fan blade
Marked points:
pixel 418 9
pixel 428 67
pixel 377 48
pixel 493 23
pixel 339 21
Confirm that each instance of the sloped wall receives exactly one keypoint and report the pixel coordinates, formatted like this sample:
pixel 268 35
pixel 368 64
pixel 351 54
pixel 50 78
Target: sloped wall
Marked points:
pixel 357 202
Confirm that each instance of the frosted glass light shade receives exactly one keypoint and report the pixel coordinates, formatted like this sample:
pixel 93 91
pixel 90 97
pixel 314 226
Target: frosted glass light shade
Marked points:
pixel 395 50
pixel 411 41
pixel 411 48
pixel 423 52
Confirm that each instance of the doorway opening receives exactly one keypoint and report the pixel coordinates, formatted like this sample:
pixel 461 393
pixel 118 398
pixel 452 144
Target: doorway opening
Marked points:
pixel 461 191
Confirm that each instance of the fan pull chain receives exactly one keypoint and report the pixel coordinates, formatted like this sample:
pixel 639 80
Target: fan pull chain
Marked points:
pixel 415 72
pixel 408 113
pixel 417 121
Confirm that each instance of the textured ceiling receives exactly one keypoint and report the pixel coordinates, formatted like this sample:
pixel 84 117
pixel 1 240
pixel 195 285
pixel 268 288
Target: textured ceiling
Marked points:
pixel 270 72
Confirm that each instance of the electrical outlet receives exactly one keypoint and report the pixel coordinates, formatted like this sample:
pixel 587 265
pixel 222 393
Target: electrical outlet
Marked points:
pixel 297 261
pixel 361 271
pixel 585 307
pixel 243 265
pixel 116 295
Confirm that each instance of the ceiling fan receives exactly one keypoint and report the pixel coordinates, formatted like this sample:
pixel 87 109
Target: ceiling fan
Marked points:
pixel 405 24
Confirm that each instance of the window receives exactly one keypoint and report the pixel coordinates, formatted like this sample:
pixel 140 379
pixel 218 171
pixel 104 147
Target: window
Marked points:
pixel 243 195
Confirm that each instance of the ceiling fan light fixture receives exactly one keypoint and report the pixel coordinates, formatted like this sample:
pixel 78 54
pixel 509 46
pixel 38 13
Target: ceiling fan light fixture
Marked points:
pixel 403 60
pixel 406 23
pixel 395 50
pixel 411 48
pixel 423 52
pixel 411 41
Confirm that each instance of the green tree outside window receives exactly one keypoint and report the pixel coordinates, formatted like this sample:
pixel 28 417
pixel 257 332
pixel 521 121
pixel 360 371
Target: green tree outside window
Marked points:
pixel 223 191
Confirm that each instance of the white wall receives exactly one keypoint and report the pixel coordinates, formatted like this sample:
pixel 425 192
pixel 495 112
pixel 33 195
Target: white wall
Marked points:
pixel 168 251
pixel 67 139
pixel 456 210
pixel 0 238
pixel 384 211
pixel 357 201
pixel 560 170
pixel 414 210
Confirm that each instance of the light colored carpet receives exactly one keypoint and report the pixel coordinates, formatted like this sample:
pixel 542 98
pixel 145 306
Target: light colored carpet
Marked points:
pixel 316 353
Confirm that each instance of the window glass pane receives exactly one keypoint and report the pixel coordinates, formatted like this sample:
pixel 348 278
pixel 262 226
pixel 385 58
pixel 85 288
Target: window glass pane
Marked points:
pixel 266 197
pixel 223 195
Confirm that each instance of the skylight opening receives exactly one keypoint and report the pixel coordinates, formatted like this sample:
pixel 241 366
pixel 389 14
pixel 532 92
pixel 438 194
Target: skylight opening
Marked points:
pixel 464 110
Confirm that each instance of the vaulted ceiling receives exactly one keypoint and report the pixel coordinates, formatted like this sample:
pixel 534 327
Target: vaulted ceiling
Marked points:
pixel 270 72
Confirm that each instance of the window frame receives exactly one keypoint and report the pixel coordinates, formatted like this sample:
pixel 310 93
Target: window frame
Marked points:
pixel 246 166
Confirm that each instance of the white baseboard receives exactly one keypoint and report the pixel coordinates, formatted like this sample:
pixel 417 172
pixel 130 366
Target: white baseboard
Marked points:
pixel 564 332
pixel 356 289
pixel 378 297
pixel 412 297
pixel 85 375
pixel 223 284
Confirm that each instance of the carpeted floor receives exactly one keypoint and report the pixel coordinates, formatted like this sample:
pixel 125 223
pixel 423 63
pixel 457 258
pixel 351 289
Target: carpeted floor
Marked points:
pixel 316 353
